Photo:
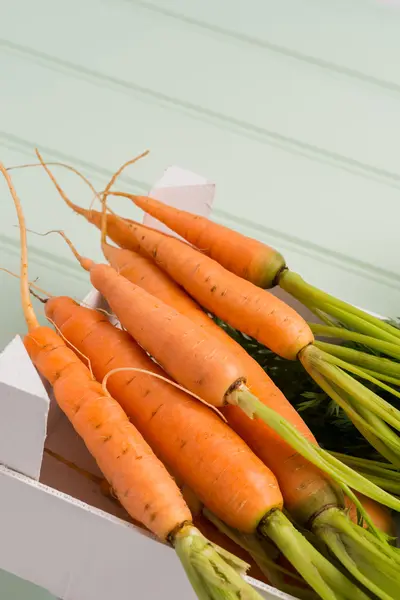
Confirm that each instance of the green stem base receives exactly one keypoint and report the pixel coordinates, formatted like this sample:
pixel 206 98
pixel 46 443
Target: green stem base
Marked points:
pixel 214 573
pixel 374 417
pixel 342 333
pixel 343 475
pixel 319 573
pixel 373 564
pixel 265 554
pixel 354 318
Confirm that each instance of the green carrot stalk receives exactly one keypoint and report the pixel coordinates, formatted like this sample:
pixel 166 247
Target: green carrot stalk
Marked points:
pixel 382 346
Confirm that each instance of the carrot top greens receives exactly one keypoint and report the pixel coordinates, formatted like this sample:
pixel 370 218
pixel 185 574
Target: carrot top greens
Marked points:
pixel 328 422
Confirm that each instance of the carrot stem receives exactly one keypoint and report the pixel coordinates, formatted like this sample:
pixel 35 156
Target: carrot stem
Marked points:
pixel 381 378
pixel 345 334
pixel 354 317
pixel 343 475
pixel 212 571
pixel 363 359
pixel 366 427
pixel 354 547
pixel 332 368
pixel 382 474
pixel 326 580
pixel 360 371
pixel 261 550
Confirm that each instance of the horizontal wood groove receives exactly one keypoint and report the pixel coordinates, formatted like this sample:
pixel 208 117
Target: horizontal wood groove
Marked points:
pixel 197 112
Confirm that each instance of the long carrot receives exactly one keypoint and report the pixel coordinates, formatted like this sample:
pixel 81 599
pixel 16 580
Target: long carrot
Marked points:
pixel 202 450
pixel 260 264
pixel 140 481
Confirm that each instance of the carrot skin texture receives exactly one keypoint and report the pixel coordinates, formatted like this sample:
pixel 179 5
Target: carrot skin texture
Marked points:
pixel 118 229
pixel 304 488
pixel 246 257
pixel 145 318
pixel 122 454
pixel 246 307
pixel 175 425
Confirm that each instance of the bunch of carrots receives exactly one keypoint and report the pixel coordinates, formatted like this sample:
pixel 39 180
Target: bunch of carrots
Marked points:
pixel 170 385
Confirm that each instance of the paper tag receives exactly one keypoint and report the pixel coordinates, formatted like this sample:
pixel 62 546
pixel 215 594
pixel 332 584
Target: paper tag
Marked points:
pixel 184 190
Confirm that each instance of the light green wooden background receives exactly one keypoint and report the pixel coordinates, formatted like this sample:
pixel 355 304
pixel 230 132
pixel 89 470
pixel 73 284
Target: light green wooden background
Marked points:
pixel 291 107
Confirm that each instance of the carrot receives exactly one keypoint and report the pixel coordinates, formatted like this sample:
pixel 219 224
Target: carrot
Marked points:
pixel 246 257
pixel 259 264
pixel 200 448
pixel 139 479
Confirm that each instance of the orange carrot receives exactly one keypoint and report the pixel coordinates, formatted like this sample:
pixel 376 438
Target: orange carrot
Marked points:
pixel 201 450
pixel 244 256
pixel 139 479
pixel 298 479
pixel 210 531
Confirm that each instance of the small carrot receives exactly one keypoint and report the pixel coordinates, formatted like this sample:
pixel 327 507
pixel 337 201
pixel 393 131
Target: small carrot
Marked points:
pixel 201 450
pixel 260 264
pixel 138 478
